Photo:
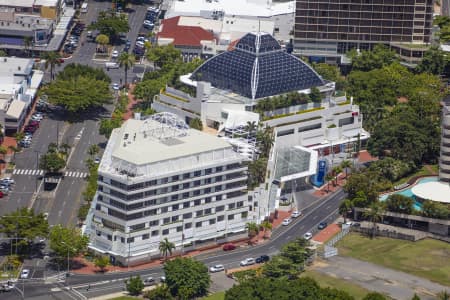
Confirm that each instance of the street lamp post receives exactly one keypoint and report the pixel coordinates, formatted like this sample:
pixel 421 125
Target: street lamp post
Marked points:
pixel 68 258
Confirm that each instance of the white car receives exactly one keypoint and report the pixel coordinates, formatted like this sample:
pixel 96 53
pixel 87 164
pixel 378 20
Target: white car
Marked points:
pixel 96 160
pixel 115 54
pixel 286 221
pixel 116 86
pixel 25 273
pixel 307 236
pixel 216 268
pixel 140 44
pixel 8 180
pixel 148 23
pixel 46 216
pixel 247 262
pixel 36 118
pixel 296 214
pixel 149 281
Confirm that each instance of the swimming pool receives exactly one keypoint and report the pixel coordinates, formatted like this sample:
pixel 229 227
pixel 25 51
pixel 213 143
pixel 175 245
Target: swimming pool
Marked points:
pixel 408 193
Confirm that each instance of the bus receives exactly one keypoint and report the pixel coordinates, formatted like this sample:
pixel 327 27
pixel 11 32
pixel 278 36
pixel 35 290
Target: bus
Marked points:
pixel 84 7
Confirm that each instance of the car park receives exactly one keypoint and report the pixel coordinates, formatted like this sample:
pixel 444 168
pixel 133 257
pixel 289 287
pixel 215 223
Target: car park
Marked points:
pixel 149 281
pixel 216 268
pixel 262 259
pixel 228 247
pixel 286 221
pixel 322 225
pixel 296 214
pixel 25 273
pixel 247 262
pixel 307 236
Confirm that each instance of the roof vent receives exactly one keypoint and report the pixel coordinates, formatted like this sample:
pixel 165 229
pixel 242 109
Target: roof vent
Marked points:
pixel 19 68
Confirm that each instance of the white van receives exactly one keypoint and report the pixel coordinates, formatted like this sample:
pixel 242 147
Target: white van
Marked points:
pixel 112 65
pixel 84 7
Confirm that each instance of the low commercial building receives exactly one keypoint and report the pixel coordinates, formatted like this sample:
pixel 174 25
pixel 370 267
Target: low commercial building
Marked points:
pixel 159 179
pixel 18 88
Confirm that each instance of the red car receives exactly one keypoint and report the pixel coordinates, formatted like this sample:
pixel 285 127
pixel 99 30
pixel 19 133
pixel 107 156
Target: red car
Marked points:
pixel 1 194
pixel 33 124
pixel 31 129
pixel 228 247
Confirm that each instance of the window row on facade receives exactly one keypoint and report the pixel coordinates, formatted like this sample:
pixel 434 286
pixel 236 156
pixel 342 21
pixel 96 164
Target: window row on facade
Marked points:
pixel 179 229
pixel 175 178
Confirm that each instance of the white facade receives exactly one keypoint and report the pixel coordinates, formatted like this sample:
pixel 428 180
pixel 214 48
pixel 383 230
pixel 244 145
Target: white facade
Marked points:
pixel 161 181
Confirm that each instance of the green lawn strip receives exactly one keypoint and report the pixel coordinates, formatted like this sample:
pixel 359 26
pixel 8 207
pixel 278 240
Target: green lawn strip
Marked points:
pixel 427 258
pixel 421 172
pixel 332 282
pixel 215 296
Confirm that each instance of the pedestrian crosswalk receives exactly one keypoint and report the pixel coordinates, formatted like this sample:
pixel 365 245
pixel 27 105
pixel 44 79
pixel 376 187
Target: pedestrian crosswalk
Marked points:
pixel 34 172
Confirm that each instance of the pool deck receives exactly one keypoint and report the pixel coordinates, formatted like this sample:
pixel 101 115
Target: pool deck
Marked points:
pixel 411 183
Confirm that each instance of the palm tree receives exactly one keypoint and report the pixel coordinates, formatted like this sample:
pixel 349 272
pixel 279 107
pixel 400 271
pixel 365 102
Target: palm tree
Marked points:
pixel 266 140
pixel 126 61
pixel 166 247
pixel 250 127
pixel 14 150
pixel 345 207
pixel 444 295
pixel 27 43
pixel 52 59
pixel 93 150
pixel 267 226
pixel 252 229
pixel 345 165
pixel 336 171
pixel 102 40
pixel 328 178
pixel 374 214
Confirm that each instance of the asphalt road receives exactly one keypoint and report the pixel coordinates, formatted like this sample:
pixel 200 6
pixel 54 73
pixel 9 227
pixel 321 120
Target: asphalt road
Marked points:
pixel 324 209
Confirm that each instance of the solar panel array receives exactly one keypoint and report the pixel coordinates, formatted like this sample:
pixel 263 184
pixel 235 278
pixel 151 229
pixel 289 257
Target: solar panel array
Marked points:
pixel 278 72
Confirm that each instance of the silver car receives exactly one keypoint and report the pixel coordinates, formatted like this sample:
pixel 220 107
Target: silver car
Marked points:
pixel 216 268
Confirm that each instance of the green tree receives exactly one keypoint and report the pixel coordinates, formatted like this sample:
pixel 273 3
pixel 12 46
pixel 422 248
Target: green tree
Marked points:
pixel 65 240
pixel 108 125
pixel 161 292
pixel 436 210
pixel 433 61
pixel 265 140
pixel 328 178
pixel 374 296
pixel 147 90
pixel 315 95
pixel 52 59
pixel 78 94
pixel 134 285
pixel 444 295
pixel 267 226
pixel 101 262
pixel 14 150
pixel 345 165
pixel 280 266
pixel 24 226
pixel 252 229
pixel 415 297
pixel 166 247
pixel 52 162
pixel 126 61
pixel 102 40
pixel 93 150
pixel 375 214
pixel 376 58
pixel 3 151
pixel 400 203
pixel 297 251
pixel 196 124
pixel 110 24
pixel 2 53
pixel 187 278
pixel 257 172
pixel 164 57
pixel 345 207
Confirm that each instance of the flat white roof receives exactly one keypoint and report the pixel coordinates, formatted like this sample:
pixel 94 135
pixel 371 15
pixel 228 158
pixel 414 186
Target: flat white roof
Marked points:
pixel 255 8
pixel 15 109
pixel 49 3
pixel 434 191
pixel 10 66
pixel 140 149
pixel 21 3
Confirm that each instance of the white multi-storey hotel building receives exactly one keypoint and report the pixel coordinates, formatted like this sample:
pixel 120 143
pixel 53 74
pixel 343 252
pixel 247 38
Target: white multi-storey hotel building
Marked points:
pixel 159 179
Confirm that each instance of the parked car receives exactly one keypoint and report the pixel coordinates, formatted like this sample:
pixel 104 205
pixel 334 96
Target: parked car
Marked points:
pixel 45 215
pixel 1 194
pixel 36 118
pixel 96 160
pixel 296 214
pixel 286 221
pixel 116 86
pixel 247 262
pixel 25 144
pixel 216 268
pixel 25 273
pixel 162 279
pixel 115 54
pixel 307 236
pixel 228 247
pixel 7 287
pixel 31 129
pixel 8 180
pixel 140 44
pixel 149 281
pixel 33 123
pixel 322 225
pixel 262 259
pixel 4 189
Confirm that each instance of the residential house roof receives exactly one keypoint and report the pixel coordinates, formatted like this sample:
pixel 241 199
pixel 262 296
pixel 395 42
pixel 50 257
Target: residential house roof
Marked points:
pixel 183 35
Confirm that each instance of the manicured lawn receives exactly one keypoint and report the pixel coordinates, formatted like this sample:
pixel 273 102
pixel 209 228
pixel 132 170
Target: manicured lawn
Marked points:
pixel 427 258
pixel 341 284
pixel 215 296
pixel 421 172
